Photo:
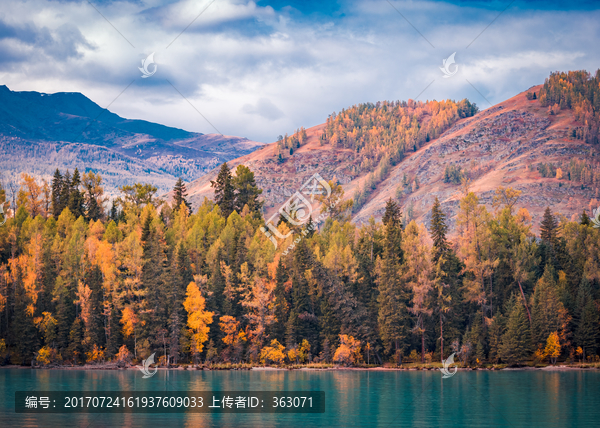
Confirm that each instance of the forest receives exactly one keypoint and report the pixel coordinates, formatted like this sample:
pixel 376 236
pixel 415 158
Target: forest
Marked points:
pixel 580 92
pixel 81 283
pixel 380 134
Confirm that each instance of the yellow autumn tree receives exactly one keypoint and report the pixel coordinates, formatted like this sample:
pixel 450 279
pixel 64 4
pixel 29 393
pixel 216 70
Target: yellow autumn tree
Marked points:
pixel 30 195
pixel 304 351
pixel 348 353
pixel 84 294
pixel 129 319
pixel 273 353
pixel 198 318
pixel 234 338
pixel 553 347
pixel 44 356
pixel 31 263
pixel 95 355
pixel 293 354
pixel 123 354
pixel 506 197
pixel 47 326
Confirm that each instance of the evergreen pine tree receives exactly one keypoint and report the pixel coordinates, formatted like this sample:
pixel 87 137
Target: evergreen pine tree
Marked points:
pixel 516 341
pixel 58 203
pixel 114 333
pixel 495 333
pixel 154 280
pixel 393 316
pixel 281 303
pixel 392 222
pixel 329 325
pixel 586 321
pixel 75 203
pixel 392 214
pixel 548 228
pixel 64 320
pixel 549 245
pixel 224 191
pixel 93 211
pixel 310 227
pixel 585 220
pixel 65 191
pixel 93 328
pixel 246 191
pixel 179 196
pixel 23 328
pixel 438 230
pixel 548 313
pixel 114 215
pixel 302 317
pixel 76 349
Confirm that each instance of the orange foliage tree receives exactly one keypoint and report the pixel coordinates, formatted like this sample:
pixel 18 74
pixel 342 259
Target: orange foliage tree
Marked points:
pixel 198 318
pixel 348 353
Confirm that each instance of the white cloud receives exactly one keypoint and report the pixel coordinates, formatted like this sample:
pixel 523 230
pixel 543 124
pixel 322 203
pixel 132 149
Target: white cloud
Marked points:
pixel 256 72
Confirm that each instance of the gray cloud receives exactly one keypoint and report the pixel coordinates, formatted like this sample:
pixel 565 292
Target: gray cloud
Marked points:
pixel 26 43
pixel 264 108
pixel 257 71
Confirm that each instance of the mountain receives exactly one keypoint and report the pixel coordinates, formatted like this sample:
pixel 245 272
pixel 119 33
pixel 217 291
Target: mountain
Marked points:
pixel 518 143
pixel 41 132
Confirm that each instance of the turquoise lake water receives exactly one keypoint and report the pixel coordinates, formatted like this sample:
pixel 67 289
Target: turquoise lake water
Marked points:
pixel 353 398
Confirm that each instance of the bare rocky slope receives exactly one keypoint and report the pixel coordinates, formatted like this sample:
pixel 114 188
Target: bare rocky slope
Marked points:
pixel 500 146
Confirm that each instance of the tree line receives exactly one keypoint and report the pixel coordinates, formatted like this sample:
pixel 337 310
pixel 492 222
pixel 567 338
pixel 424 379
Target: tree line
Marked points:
pixel 80 284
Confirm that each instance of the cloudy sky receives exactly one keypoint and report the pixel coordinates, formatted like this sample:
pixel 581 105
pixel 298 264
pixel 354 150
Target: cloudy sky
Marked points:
pixel 262 68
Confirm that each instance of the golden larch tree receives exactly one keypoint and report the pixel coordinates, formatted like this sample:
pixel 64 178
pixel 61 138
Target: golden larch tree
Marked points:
pixel 198 318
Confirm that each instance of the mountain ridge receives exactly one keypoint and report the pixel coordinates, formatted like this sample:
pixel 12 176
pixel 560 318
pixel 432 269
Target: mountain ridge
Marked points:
pixel 40 132
pixel 500 146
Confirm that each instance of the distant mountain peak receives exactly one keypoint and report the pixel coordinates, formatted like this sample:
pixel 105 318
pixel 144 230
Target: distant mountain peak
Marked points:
pixel 40 132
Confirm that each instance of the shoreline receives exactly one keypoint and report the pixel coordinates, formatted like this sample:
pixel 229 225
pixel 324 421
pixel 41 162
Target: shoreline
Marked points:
pixel 339 368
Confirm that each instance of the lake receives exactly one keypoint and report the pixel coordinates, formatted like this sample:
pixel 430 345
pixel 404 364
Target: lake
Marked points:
pixel 353 398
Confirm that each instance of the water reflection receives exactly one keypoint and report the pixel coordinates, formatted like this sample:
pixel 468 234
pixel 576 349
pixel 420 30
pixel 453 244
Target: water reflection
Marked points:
pixel 353 398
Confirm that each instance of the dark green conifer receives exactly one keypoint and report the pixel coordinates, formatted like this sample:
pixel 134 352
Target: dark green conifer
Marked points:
pixel 76 199
pixel 438 230
pixel 58 204
pixel 585 220
pixel 180 195
pixel 516 341
pixel 586 320
pixel 246 191
pixel 224 190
